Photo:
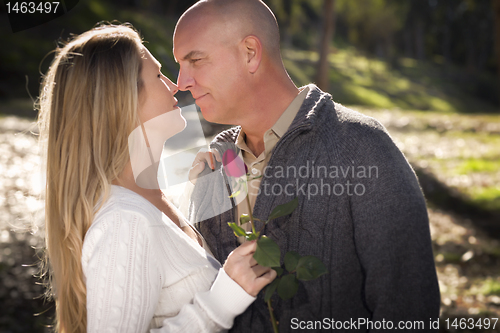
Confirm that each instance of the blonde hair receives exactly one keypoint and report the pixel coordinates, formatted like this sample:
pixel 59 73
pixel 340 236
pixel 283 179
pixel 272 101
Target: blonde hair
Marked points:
pixel 87 109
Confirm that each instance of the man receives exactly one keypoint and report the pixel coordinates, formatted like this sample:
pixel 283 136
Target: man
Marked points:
pixel 361 210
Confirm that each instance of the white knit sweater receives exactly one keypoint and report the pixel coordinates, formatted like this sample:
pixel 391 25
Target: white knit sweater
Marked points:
pixel 144 273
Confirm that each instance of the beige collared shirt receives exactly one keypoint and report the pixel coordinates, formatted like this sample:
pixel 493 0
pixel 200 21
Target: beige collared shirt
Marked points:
pixel 256 165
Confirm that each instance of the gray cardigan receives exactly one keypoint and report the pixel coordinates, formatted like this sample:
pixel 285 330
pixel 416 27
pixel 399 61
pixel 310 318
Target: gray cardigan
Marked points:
pixel 361 211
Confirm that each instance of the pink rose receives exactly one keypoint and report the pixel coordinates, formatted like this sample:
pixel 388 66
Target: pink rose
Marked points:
pixel 233 164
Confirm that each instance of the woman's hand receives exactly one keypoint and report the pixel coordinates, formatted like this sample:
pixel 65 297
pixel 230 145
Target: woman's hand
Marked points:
pixel 202 157
pixel 242 268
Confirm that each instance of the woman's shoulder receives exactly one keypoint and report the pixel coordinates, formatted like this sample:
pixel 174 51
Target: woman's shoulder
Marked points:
pixel 124 215
pixel 124 207
pixel 126 202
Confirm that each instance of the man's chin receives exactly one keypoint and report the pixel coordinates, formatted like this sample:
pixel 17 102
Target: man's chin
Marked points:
pixel 210 115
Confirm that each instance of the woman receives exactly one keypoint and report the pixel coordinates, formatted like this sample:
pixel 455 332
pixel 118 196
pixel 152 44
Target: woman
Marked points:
pixel 121 257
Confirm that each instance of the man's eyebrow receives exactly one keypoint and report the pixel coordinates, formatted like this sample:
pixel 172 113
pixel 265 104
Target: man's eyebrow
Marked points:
pixel 193 54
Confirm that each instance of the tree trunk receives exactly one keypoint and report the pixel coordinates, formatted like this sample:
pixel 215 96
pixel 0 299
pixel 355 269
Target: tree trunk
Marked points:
pixel 496 10
pixel 471 53
pixel 419 39
pixel 322 77
pixel 408 42
pixel 447 35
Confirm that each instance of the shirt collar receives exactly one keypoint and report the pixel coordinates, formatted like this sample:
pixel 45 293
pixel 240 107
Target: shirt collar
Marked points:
pixel 287 117
pixel 283 122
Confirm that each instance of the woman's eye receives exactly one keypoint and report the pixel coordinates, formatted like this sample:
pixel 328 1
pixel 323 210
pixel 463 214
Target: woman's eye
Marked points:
pixel 159 76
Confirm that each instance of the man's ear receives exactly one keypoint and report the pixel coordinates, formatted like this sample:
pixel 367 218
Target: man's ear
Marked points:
pixel 253 52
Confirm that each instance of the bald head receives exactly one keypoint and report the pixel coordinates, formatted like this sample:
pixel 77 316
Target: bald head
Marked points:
pixel 229 59
pixel 233 20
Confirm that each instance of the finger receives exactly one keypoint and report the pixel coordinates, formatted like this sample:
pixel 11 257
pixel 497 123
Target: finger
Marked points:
pixel 216 154
pixel 246 248
pixel 200 156
pixel 205 157
pixel 200 166
pixel 266 278
pixel 212 163
pixel 197 168
pixel 195 171
pixel 260 270
pixel 253 262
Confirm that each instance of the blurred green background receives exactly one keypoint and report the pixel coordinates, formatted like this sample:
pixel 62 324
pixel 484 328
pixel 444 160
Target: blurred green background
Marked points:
pixel 427 69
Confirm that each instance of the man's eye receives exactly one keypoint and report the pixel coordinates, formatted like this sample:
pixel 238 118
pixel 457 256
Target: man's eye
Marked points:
pixel 195 60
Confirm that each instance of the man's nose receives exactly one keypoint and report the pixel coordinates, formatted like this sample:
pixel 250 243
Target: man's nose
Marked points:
pixel 185 81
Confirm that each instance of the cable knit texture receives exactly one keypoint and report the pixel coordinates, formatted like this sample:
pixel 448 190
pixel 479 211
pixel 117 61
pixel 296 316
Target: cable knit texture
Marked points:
pixel 144 273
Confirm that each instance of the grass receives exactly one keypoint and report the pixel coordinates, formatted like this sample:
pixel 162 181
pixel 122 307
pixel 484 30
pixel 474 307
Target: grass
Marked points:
pixel 451 257
pixel 478 165
pixel 407 84
pixel 461 150
pixel 490 287
pixel 487 198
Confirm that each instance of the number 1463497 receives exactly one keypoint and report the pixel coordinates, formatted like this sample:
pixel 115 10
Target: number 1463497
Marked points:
pixel 32 7
pixel 471 323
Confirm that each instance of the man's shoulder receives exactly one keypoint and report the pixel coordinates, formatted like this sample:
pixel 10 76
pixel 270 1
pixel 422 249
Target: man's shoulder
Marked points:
pixel 343 121
pixel 228 135
pixel 353 118
pixel 320 108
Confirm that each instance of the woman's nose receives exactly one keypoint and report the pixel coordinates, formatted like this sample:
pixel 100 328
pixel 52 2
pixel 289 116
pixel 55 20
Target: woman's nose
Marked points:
pixel 172 86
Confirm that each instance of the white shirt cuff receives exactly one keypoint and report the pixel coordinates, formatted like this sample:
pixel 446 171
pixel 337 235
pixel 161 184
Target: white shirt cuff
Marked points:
pixel 225 300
